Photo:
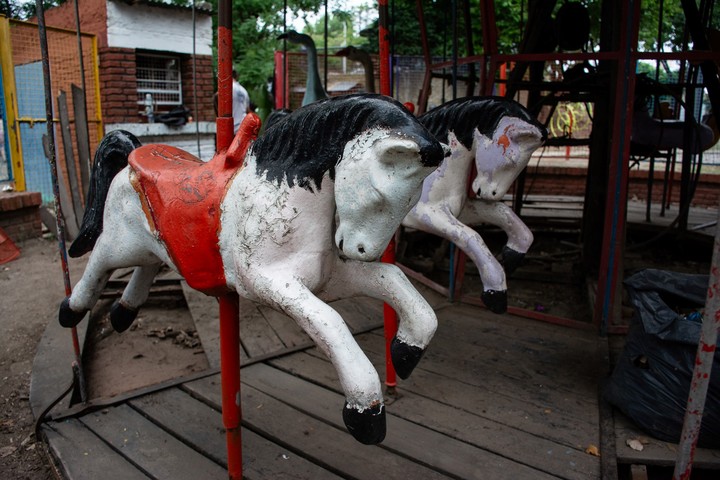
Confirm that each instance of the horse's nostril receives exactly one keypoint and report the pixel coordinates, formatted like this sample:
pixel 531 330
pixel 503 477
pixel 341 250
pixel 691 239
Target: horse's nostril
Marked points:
pixel 361 249
pixel 341 245
pixel 494 193
pixel 479 190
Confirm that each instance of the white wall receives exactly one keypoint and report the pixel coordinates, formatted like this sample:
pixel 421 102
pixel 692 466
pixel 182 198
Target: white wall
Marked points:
pixel 157 28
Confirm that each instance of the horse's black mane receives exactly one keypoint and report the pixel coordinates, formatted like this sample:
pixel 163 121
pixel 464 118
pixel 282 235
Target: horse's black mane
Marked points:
pixel 463 115
pixel 311 140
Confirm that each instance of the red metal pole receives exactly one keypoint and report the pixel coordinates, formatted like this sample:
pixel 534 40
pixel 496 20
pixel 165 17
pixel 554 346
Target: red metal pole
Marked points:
pixel 703 368
pixel 229 304
pixel 224 121
pixel 390 316
pixel 230 380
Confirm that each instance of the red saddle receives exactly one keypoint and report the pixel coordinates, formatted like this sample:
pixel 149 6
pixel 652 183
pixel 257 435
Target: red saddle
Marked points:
pixel 181 196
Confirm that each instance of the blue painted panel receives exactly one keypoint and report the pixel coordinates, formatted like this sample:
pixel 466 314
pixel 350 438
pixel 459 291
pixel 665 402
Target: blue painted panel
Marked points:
pixel 31 104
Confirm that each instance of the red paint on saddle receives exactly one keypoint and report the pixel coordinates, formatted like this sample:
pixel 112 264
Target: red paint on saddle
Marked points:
pixel 181 196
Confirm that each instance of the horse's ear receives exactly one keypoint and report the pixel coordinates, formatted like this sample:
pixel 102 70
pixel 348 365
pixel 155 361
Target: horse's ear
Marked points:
pixel 245 135
pixel 391 148
pixel 525 133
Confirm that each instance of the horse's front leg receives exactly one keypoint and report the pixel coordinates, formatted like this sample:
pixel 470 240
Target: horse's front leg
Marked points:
pixel 364 411
pixel 441 222
pixel 519 236
pixel 417 321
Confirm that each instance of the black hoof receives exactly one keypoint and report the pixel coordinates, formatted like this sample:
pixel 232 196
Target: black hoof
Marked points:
pixel 121 316
pixel 404 357
pixel 67 317
pixel 511 259
pixel 368 426
pixel 495 300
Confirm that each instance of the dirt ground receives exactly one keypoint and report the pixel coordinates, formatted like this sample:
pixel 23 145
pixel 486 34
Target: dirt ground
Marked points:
pixel 160 346
pixel 31 288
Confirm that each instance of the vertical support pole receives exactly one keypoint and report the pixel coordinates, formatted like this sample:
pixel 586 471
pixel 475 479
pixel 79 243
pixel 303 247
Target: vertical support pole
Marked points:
pixel 78 373
pixel 7 70
pixel 616 199
pixel 224 120
pixel 703 367
pixel 390 316
pixel 230 380
pixel 229 303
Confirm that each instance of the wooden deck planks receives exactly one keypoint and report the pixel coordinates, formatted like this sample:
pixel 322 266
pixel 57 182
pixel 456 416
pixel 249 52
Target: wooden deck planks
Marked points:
pixel 308 433
pixel 148 446
pixel 200 426
pixel 82 455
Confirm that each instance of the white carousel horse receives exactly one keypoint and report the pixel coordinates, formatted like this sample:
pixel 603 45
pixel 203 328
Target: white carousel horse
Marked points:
pixel 301 223
pixel 498 136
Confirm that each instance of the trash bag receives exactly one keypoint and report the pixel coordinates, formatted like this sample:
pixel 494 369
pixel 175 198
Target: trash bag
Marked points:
pixel 651 381
pixel 176 117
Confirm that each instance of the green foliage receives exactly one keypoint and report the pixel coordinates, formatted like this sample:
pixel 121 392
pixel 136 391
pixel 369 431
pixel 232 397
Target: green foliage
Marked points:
pixel 25 10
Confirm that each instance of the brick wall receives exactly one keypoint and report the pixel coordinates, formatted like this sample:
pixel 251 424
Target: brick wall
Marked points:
pixel 572 181
pixel 93 18
pixel 20 214
pixel 118 86
pixel 205 86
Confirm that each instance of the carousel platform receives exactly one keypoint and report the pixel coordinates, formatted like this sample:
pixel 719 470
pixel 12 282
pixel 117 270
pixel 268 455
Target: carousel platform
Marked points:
pixel 495 396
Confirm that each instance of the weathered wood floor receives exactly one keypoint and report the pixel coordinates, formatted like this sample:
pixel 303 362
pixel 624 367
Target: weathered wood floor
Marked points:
pixel 494 397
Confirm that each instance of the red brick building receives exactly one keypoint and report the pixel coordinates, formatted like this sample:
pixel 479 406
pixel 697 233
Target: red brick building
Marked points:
pixel 153 58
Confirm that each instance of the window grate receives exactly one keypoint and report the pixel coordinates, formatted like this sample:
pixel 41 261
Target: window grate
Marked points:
pixel 159 76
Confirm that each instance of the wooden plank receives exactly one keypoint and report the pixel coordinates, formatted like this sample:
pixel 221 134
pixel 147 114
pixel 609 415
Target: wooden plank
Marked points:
pixel 72 226
pixel 441 452
pixel 315 439
pixel 205 312
pixel 75 186
pixel 360 313
pixel 655 452
pixel 82 455
pixel 256 334
pixel 468 427
pixel 528 413
pixel 200 426
pixel 522 376
pixel 82 136
pixel 285 327
pixel 150 448
pixel 52 365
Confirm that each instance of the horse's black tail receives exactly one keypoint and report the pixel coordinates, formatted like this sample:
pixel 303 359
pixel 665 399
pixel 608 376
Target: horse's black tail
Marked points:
pixel 111 157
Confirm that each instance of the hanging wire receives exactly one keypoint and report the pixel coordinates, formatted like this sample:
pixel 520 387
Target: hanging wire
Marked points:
pixel 194 75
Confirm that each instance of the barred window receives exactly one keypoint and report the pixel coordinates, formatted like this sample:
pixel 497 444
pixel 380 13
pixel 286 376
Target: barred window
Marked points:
pixel 158 75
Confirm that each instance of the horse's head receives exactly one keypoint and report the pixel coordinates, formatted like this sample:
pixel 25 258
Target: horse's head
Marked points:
pixel 500 158
pixel 371 146
pixel 377 182
pixel 501 132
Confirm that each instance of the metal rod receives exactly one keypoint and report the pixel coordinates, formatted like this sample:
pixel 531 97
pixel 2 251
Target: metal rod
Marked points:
pixel 703 367
pixel 230 381
pixel 59 218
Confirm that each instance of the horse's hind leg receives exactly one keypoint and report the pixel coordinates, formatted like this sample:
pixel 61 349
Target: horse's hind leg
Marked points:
pixel 86 292
pixel 124 311
pixel 417 319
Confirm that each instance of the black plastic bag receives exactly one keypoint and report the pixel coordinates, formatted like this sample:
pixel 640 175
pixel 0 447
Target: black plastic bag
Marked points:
pixel 176 117
pixel 651 381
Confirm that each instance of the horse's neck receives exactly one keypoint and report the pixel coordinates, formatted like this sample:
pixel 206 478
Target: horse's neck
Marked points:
pixel 460 160
pixel 313 82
